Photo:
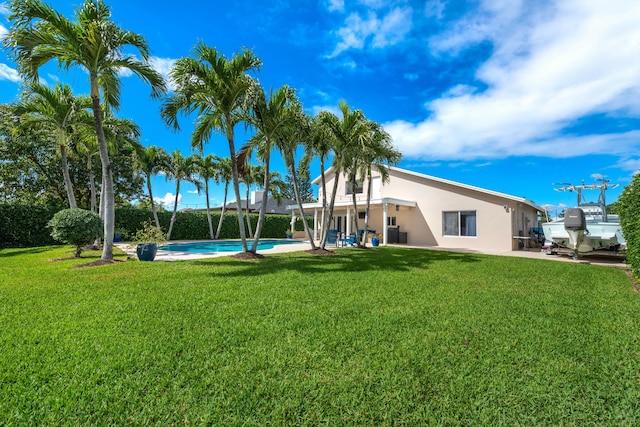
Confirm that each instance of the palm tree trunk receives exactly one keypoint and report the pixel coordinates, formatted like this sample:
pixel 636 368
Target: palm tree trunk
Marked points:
pixel 92 184
pixel 265 199
pixel 299 200
pixel 153 206
pixel 326 226
pixel 65 172
pixel 248 215
pixel 354 184
pixel 206 191
pixel 366 209
pixel 236 184
pixel 107 173
pixel 323 216
pixel 224 207
pixel 175 208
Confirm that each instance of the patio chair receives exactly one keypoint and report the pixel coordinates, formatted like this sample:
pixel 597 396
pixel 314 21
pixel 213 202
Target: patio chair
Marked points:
pixel 350 240
pixel 332 237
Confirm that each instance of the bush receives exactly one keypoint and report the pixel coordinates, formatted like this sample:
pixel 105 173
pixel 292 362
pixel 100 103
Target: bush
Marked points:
pixel 78 227
pixel 628 207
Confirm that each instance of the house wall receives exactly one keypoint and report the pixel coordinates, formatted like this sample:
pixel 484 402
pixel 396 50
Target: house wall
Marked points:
pixel 498 219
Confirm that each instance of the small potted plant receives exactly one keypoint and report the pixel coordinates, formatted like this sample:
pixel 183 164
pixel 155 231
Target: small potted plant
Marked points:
pixel 288 234
pixel 147 239
pixel 375 239
pixel 117 235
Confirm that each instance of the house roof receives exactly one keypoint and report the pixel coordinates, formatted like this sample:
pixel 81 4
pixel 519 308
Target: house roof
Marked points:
pixel 452 183
pixel 273 207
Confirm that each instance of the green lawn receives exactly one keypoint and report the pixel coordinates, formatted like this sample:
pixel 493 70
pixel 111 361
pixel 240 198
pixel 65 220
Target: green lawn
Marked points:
pixel 387 336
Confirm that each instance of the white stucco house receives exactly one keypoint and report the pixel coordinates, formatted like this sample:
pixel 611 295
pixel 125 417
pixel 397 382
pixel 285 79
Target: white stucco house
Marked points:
pixel 423 210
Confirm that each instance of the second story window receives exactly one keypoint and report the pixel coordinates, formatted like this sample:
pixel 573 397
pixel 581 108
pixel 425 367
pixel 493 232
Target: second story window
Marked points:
pixel 358 189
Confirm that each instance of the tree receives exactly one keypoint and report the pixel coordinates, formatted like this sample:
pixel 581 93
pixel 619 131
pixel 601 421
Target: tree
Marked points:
pixel 59 111
pixel 347 135
pixel 78 227
pixel 378 153
pixel 208 169
pixel 181 169
pixel 271 118
pixel 216 88
pixel 224 175
pixel 628 207
pixel 39 34
pixel 151 161
pixel 304 185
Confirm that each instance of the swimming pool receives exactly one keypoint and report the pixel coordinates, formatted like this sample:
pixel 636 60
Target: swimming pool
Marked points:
pixel 214 246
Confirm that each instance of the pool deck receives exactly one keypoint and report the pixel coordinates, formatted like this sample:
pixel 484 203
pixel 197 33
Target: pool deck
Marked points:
pixel 303 246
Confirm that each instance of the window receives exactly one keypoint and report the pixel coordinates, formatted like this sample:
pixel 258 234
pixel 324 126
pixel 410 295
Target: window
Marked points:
pixel 459 223
pixel 391 220
pixel 361 215
pixel 358 188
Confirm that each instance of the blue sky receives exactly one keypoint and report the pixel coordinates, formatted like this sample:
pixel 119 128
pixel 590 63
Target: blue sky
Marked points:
pixel 507 95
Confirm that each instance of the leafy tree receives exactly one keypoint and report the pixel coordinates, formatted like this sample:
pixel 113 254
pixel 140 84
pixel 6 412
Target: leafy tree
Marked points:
pixel 39 34
pixel 270 117
pixel 75 226
pixel 181 169
pixel 304 185
pixel 628 206
pixel 59 111
pixel 208 169
pixel 151 161
pixel 216 88
pixel 224 175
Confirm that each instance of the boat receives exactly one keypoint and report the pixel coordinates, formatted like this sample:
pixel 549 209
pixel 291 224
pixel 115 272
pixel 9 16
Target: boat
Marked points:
pixel 587 227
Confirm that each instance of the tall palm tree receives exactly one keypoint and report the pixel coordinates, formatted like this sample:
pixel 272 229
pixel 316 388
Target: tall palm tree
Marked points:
pixel 290 138
pixel 62 112
pixel 348 134
pixel 93 42
pixel 319 145
pixel 270 117
pixel 208 169
pixel 181 169
pixel 250 176
pixel 378 153
pixel 224 175
pixel 216 88
pixel 151 161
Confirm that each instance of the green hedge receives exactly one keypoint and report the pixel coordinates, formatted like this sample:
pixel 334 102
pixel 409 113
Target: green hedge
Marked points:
pixel 628 207
pixel 26 226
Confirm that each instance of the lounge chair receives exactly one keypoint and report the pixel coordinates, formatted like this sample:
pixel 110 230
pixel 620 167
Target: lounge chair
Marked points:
pixel 350 240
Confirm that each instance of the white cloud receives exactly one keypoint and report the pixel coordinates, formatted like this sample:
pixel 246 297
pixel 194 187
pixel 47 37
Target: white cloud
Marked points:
pixel 163 66
pixel 389 30
pixel 3 31
pixel 544 74
pixel 168 200
pixel 8 73
pixel 335 5
pixel 330 108
pixel 193 192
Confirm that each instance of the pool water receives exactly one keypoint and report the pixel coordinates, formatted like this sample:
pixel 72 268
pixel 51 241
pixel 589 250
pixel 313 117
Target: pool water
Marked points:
pixel 224 245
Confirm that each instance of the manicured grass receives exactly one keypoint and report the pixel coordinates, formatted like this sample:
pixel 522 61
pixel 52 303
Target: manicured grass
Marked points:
pixel 387 336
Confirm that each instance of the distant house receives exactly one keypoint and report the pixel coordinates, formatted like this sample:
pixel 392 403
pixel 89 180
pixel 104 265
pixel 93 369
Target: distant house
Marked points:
pixel 423 210
pixel 254 204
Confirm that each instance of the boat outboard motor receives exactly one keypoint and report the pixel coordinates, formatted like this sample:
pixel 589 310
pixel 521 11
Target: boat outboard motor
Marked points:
pixel 575 225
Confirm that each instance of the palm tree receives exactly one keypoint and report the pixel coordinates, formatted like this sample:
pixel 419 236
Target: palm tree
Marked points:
pixel 270 118
pixel 95 43
pixel 181 169
pixel 224 174
pixel 151 161
pixel 249 175
pixel 378 153
pixel 290 138
pixel 62 112
pixel 319 145
pixel 348 134
pixel 208 169
pixel 216 88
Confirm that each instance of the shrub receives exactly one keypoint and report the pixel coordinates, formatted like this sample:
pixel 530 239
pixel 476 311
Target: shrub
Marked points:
pixel 78 227
pixel 25 226
pixel 628 207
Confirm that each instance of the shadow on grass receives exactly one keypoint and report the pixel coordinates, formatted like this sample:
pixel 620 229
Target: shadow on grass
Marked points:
pixel 345 260
pixel 10 252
